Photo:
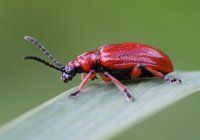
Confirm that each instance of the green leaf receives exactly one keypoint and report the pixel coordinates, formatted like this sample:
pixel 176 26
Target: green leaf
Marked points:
pixel 100 112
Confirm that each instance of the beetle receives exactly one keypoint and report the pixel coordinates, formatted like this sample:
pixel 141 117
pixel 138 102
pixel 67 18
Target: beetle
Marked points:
pixel 114 62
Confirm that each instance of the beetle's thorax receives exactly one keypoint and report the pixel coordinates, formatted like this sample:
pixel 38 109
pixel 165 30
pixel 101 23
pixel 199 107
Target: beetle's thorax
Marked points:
pixel 83 63
pixel 86 61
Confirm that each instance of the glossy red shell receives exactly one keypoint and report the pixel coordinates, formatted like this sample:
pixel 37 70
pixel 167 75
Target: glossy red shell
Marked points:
pixel 128 55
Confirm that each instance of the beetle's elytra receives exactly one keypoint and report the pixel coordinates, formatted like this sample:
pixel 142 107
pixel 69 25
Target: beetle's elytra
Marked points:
pixel 116 62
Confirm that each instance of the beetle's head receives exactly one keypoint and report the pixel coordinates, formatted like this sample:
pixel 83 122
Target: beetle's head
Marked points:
pixel 69 73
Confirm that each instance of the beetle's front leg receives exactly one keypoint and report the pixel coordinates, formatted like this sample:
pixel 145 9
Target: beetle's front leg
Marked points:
pixel 83 83
pixel 92 77
pixel 83 75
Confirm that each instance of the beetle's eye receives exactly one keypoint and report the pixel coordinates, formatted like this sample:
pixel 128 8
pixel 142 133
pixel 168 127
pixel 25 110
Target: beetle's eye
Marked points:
pixel 70 70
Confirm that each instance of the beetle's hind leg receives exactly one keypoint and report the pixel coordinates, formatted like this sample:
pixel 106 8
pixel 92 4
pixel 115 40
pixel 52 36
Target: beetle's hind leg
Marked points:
pixel 107 77
pixel 161 75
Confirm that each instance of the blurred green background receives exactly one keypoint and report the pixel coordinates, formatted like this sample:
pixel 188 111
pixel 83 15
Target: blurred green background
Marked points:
pixel 70 27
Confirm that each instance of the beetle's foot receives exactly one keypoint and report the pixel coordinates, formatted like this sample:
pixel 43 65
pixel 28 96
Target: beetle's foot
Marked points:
pixel 129 97
pixel 173 80
pixel 75 94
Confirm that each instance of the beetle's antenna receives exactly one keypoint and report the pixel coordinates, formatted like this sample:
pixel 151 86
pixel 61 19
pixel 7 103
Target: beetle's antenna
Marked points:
pixel 44 50
pixel 44 62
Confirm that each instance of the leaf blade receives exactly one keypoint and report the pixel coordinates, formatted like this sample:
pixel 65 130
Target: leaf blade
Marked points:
pixel 100 114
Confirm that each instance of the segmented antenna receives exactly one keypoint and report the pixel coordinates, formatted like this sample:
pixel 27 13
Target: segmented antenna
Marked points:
pixel 44 62
pixel 44 50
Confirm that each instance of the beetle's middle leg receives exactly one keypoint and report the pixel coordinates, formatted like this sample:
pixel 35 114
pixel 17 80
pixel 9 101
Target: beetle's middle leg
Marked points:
pixel 107 77
pixel 88 76
pixel 136 71
pixel 161 75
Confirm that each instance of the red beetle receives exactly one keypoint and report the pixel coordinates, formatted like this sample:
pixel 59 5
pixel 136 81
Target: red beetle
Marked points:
pixel 116 62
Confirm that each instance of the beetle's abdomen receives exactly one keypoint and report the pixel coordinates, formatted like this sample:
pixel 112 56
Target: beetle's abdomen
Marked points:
pixel 127 55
